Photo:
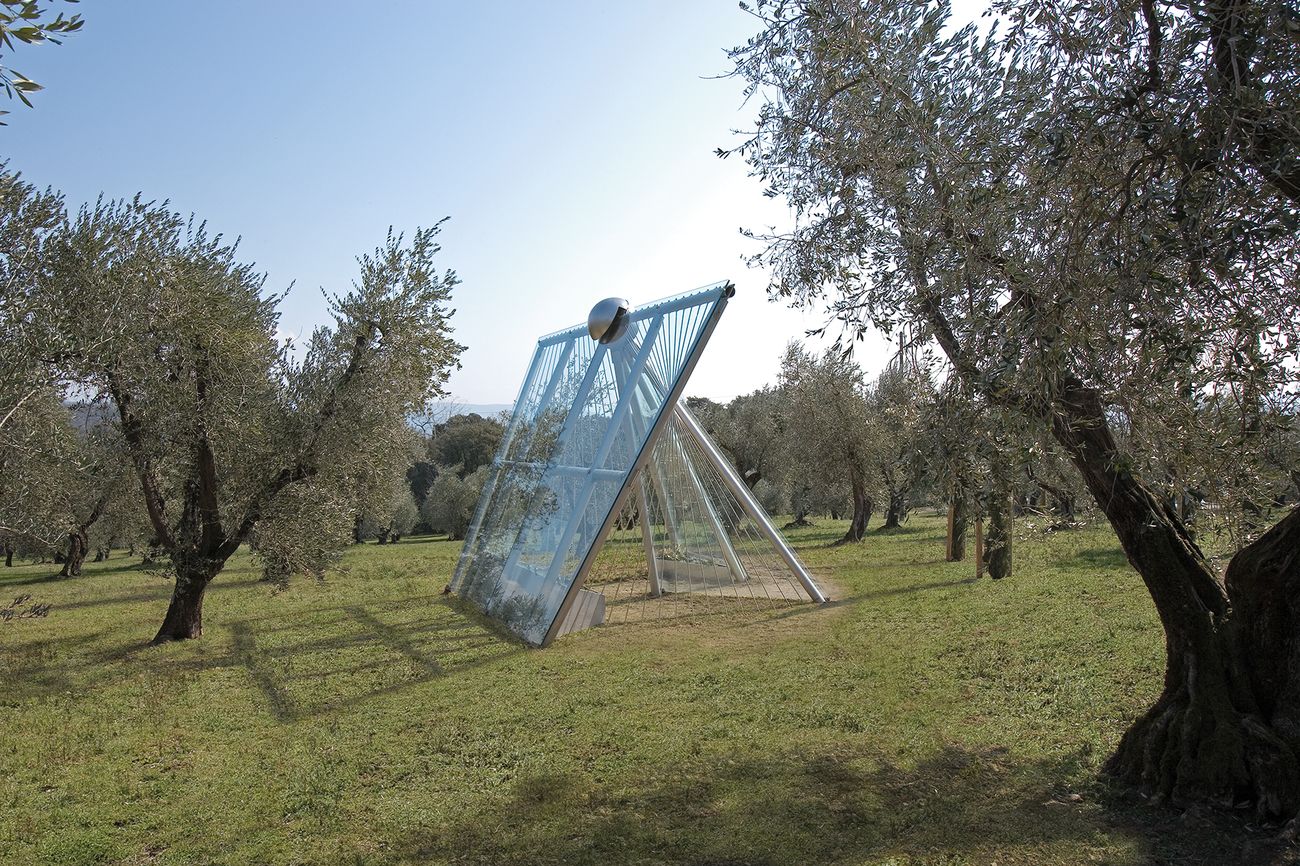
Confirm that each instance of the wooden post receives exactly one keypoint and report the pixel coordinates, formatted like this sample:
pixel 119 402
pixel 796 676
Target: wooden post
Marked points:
pixel 979 547
pixel 952 514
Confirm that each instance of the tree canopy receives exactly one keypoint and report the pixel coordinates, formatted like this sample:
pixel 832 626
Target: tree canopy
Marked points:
pixel 143 313
pixel 1092 212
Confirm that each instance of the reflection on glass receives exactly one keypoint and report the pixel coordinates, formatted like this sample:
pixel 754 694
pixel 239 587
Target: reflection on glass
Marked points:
pixel 583 417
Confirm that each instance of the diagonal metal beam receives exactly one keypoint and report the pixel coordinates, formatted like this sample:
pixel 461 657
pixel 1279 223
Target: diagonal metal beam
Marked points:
pixel 747 501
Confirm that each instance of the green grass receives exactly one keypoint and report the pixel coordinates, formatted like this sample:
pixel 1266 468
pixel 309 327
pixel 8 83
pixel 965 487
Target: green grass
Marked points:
pixel 922 717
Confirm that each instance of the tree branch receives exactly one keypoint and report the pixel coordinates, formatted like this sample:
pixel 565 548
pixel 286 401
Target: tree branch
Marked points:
pixel 306 465
pixel 1271 152
pixel 133 434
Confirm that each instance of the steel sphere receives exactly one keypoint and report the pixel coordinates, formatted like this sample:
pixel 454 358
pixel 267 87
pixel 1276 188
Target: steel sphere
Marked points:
pixel 608 319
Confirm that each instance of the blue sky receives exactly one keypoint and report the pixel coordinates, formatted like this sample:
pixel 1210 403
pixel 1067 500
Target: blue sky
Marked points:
pixel 570 143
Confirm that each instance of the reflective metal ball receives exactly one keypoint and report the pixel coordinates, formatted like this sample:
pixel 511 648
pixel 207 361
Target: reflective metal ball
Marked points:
pixel 608 319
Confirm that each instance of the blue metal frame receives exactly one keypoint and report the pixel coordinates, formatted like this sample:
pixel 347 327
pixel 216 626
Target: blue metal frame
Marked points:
pixel 550 499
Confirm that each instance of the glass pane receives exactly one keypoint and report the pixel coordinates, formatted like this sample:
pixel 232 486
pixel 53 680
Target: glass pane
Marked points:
pixel 583 417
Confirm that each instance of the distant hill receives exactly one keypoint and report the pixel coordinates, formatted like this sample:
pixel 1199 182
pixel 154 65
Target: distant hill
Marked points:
pixel 446 408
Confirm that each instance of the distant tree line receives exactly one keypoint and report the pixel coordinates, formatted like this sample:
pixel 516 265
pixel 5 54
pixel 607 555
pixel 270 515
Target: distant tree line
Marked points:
pixel 828 441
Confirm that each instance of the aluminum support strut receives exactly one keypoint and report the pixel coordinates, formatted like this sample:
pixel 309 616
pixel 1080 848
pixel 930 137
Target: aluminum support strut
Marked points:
pixel 747 501
pixel 648 536
pixel 736 567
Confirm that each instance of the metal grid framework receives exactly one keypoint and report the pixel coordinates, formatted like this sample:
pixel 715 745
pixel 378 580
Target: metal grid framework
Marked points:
pixel 691 541
pixel 589 419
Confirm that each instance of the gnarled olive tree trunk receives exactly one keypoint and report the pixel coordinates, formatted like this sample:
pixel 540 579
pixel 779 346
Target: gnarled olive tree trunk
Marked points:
pixel 862 508
pixel 997 544
pixel 896 510
pixel 1226 726
pixel 958 519
pixel 79 539
pixel 184 619
pixel 1063 504
pixel 78 543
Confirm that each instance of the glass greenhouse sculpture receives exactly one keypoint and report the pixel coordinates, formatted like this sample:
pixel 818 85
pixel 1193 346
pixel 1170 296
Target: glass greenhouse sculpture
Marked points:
pixel 601 442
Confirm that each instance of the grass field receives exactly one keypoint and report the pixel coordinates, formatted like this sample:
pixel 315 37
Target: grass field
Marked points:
pixel 920 718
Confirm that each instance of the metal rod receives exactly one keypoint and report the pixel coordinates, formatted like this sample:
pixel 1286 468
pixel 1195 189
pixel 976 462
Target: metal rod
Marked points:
pixel 715 522
pixel 622 361
pixel 647 535
pixel 624 353
pixel 658 480
pixel 747 501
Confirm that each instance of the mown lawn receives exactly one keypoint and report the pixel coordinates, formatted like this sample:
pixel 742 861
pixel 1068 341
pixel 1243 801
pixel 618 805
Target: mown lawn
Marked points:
pixel 923 717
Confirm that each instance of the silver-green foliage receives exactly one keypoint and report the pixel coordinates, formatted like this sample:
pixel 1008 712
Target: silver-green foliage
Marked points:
pixel 449 506
pixel 1083 195
pixel 160 321
pixel 28 22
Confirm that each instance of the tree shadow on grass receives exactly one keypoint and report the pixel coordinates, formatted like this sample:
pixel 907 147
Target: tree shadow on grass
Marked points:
pixel 364 655
pixel 905 529
pixel 118 566
pixel 1100 557
pixel 805 608
pixel 160 593
pixel 778 806
pixel 303 664
pixel 818 535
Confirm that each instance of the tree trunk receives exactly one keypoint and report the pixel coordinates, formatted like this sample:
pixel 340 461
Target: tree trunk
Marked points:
pixel 383 536
pixel 1063 505
pixel 862 507
pixel 997 549
pixel 9 554
pixel 957 529
pixel 77 548
pixel 79 539
pixel 1224 728
pixel 897 510
pixel 184 618
pixel 997 543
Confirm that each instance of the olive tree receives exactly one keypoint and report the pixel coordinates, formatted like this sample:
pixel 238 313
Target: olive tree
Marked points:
pixel 828 437
pixel 26 220
pixel 1092 210
pixel 468 441
pixel 221 424
pixel 948 458
pixel 749 430
pixel 896 402
pixel 40 474
pixel 394 516
pixel 449 506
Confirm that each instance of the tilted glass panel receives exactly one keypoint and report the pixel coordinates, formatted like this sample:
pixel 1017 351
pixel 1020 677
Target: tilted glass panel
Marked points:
pixel 582 419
